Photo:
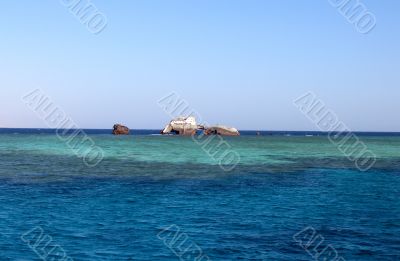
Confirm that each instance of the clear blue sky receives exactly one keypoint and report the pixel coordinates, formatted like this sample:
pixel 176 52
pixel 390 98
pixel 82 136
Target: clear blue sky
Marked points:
pixel 241 63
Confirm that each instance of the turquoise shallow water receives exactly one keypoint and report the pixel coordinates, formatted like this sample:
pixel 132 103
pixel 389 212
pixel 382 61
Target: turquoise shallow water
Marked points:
pixel 145 183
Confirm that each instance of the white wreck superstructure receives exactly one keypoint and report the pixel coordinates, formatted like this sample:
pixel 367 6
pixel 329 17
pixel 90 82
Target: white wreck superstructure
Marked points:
pixel 181 126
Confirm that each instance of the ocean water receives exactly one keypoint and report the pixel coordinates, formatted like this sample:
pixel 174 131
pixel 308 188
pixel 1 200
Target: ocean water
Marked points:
pixel 283 184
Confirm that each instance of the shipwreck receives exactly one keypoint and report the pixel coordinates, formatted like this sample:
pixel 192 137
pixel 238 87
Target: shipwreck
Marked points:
pixel 188 126
pixel 181 126
pixel 221 130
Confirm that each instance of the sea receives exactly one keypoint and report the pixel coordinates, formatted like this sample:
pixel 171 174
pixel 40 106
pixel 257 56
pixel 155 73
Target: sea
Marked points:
pixel 284 196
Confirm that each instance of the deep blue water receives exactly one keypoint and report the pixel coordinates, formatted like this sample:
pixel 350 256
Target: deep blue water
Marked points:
pixel 237 218
pixel 116 210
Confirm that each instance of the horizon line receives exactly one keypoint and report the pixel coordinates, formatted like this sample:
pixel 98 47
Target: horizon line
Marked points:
pixel 317 131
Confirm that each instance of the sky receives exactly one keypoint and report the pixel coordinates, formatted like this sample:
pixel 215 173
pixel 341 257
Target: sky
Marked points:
pixel 238 63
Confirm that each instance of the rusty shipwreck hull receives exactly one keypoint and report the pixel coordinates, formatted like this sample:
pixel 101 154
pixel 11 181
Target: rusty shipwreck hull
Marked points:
pixel 221 130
